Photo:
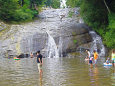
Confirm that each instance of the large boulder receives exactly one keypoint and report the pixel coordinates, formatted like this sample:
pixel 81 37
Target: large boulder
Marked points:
pixel 30 37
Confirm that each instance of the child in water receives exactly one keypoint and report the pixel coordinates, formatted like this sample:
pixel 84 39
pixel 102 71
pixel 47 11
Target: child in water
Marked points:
pixel 107 61
pixel 88 55
pixel 91 60
pixel 113 57
pixel 31 55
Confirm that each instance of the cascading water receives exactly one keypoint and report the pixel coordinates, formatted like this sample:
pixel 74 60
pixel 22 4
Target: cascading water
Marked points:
pixel 63 4
pixel 97 44
pixel 52 50
pixel 30 43
pixel 60 47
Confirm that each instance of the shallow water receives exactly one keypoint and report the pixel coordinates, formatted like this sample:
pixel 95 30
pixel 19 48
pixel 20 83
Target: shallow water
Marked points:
pixel 56 72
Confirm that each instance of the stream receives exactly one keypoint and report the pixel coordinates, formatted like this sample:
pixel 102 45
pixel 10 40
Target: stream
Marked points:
pixel 56 72
pixel 53 36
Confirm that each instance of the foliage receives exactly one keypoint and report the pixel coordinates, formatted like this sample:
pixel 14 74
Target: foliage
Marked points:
pixel 73 3
pixel 70 14
pixel 109 37
pixel 48 2
pixel 19 10
pixel 94 13
pixel 53 3
pixel 75 41
pixel 7 9
pixel 111 5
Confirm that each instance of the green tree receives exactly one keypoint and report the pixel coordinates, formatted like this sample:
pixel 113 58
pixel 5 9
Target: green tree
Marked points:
pixel 109 36
pixel 74 3
pixel 21 2
pixel 100 15
pixel 8 9
pixel 53 3
pixel 48 2
pixel 19 10
pixel 94 13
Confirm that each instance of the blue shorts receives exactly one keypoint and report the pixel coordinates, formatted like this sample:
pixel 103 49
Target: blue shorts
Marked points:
pixel 90 61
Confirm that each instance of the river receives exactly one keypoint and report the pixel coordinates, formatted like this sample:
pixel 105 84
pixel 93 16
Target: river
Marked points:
pixel 56 72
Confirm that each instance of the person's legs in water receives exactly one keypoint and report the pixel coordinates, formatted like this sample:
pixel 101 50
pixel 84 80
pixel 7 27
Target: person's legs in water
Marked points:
pixel 95 62
pixel 113 62
pixel 39 68
pixel 40 77
pixel 90 62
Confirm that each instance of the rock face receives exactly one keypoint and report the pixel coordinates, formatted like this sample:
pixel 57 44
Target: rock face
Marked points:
pixel 30 37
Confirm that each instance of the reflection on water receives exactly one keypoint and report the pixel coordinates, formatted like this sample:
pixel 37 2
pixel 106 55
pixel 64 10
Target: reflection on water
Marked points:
pixel 40 79
pixel 56 72
pixel 113 77
pixel 93 73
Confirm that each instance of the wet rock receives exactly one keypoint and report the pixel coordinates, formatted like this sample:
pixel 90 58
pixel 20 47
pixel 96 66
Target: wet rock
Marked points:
pixel 31 37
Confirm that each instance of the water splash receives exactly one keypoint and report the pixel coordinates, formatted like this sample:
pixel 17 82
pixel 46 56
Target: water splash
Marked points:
pixel 97 44
pixel 52 50
pixel 63 4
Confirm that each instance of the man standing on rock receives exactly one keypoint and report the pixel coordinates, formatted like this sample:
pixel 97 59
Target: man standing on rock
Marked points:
pixel 39 61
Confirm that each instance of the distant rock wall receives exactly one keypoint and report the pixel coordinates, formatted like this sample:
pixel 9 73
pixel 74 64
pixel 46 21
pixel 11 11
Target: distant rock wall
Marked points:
pixel 30 37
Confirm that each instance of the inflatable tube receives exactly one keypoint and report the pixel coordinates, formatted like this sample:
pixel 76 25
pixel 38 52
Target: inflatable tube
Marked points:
pixel 16 58
pixel 105 64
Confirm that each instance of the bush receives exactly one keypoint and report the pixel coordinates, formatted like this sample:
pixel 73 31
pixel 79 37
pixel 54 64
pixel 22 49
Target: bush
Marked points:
pixel 109 37
pixel 73 3
pixel 94 13
pixel 70 14
pixel 55 3
pixel 13 11
pixel 7 9
pixel 24 15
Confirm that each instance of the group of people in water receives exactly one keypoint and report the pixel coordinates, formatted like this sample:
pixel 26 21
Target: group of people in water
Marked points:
pixel 92 59
pixel 39 60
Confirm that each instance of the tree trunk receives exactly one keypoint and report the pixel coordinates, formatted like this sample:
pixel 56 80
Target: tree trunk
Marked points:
pixel 107 6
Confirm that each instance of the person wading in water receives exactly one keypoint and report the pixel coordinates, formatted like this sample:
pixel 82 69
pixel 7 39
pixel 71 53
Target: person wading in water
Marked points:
pixel 39 61
pixel 113 57
pixel 95 57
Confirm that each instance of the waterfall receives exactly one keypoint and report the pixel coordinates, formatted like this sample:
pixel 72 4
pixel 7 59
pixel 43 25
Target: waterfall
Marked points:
pixel 60 47
pixel 30 43
pixel 63 4
pixel 52 50
pixel 97 44
pixel 81 20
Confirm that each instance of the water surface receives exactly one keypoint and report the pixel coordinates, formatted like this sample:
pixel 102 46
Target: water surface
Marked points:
pixel 56 72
